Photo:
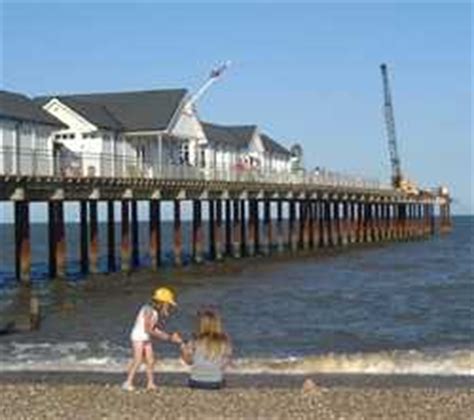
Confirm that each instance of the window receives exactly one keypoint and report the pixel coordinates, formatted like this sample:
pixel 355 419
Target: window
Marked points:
pixel 85 135
pixel 184 153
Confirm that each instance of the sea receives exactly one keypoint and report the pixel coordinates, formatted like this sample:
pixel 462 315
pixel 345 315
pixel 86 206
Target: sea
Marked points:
pixel 391 308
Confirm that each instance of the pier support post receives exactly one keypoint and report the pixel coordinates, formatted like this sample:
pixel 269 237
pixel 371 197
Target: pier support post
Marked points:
pixel 251 228
pixel 292 234
pixel 22 242
pixel 93 238
pixel 111 267
pixel 316 224
pixel 228 227
pixel 197 235
pixel 360 222
pixel 311 224
pixel 243 230
pixel 306 213
pixel 135 235
pixel 218 230
pixel 353 222
pixel 177 240
pixel 212 229
pixel 155 233
pixel 376 222
pixel 125 253
pixel 335 228
pixel 57 240
pixel 279 228
pixel 325 225
pixel 344 223
pixel 236 233
pixel 368 221
pixel 267 224
pixel 84 237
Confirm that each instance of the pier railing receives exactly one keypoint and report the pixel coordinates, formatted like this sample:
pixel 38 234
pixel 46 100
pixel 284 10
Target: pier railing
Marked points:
pixel 31 162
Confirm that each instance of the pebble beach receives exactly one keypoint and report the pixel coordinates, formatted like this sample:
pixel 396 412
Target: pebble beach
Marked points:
pixel 73 395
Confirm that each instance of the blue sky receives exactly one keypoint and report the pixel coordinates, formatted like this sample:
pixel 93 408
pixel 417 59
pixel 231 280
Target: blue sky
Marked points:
pixel 305 72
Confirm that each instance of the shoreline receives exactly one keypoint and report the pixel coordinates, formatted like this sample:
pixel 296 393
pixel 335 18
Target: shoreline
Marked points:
pixel 94 395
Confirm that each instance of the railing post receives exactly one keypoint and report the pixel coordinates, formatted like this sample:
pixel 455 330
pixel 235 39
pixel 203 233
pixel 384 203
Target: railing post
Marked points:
pixel 22 242
pixel 111 236
pixel 93 238
pixel 155 233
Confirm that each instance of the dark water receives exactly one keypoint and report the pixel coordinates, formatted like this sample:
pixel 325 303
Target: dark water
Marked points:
pixel 400 307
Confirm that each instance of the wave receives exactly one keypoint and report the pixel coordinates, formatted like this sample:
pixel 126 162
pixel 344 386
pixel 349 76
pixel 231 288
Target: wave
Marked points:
pixel 103 357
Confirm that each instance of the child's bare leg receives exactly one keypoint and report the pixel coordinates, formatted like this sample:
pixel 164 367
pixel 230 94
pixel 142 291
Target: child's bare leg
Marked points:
pixel 150 363
pixel 137 347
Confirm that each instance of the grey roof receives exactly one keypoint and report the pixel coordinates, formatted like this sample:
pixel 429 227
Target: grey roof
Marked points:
pixel 21 108
pixel 240 136
pixel 273 146
pixel 237 135
pixel 150 110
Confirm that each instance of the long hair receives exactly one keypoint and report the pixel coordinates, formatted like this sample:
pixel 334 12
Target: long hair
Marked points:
pixel 211 336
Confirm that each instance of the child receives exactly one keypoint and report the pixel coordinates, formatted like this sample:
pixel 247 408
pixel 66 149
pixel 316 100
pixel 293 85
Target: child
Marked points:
pixel 148 325
pixel 209 353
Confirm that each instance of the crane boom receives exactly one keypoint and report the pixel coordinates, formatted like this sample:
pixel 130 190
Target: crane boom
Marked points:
pixel 213 76
pixel 391 132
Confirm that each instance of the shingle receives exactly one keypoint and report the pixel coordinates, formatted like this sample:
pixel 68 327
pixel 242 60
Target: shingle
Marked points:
pixel 19 107
pixel 273 146
pixel 150 110
pixel 239 136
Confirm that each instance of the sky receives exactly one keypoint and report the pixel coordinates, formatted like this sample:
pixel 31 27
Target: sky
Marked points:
pixel 304 72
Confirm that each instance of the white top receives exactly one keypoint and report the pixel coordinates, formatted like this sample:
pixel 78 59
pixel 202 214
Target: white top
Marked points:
pixel 138 331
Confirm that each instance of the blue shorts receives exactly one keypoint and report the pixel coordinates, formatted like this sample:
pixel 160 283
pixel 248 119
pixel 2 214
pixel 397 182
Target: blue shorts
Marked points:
pixel 205 385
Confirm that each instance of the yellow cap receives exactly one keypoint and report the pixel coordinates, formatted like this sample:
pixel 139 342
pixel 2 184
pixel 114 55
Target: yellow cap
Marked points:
pixel 163 294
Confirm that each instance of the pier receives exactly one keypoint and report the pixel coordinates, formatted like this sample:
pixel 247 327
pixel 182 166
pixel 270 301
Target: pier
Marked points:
pixel 246 213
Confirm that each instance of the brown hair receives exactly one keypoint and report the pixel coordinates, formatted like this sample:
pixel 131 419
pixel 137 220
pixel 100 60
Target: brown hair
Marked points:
pixel 211 335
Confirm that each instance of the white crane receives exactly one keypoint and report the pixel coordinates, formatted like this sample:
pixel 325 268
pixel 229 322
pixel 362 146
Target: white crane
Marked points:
pixel 213 76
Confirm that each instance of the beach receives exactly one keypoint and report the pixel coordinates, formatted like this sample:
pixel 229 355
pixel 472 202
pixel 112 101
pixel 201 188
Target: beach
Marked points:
pixel 95 395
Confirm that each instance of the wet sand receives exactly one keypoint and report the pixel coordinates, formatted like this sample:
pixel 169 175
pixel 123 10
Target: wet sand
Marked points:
pixel 84 395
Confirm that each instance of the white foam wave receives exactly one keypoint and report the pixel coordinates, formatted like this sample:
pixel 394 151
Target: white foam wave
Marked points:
pixel 452 362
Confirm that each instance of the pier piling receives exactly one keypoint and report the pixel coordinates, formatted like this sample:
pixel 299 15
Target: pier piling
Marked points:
pixel 57 239
pixel 177 234
pixel 237 230
pixel 125 253
pixel 111 266
pixel 94 238
pixel 84 237
pixel 155 233
pixel 22 242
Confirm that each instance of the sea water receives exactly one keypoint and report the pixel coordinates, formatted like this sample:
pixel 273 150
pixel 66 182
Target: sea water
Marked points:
pixel 391 308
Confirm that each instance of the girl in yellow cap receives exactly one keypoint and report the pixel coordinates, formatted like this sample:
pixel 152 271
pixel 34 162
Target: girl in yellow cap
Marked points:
pixel 148 325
